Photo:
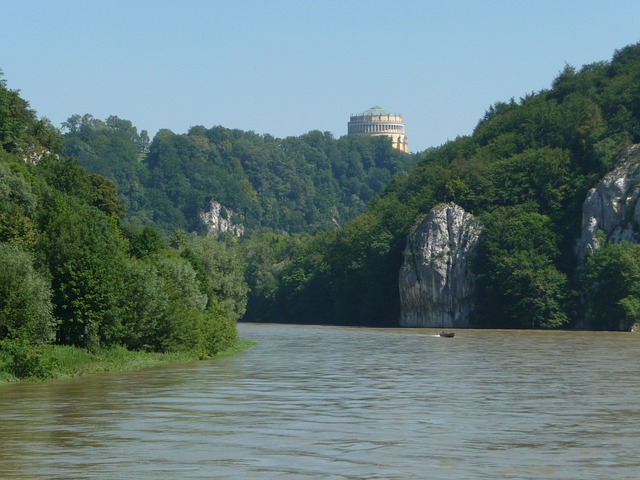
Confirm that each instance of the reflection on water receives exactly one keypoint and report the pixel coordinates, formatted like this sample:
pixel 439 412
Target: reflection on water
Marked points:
pixel 339 403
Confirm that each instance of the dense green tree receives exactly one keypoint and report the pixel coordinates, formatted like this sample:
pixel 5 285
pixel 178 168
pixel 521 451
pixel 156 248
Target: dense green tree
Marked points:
pixel 348 276
pixel 187 323
pixel 220 272
pixel 84 252
pixel 612 287
pixel 111 149
pixel 267 255
pixel 67 176
pixel 518 285
pixel 143 307
pixel 144 241
pixel 25 298
pixel 106 196
pixel 21 132
pixel 17 204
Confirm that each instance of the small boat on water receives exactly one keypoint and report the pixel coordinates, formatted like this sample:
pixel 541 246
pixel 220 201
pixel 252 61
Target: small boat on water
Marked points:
pixel 446 334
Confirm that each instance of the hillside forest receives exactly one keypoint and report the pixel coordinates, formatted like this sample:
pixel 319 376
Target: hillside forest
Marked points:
pixel 102 240
pixel 524 172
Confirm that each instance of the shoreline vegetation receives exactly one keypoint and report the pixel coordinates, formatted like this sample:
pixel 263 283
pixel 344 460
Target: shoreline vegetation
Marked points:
pixel 62 362
pixel 83 288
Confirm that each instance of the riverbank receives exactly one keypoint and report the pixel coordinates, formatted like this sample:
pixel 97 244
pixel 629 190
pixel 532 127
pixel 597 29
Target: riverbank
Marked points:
pixel 52 362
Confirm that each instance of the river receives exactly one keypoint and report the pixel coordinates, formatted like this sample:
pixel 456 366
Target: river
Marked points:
pixel 315 402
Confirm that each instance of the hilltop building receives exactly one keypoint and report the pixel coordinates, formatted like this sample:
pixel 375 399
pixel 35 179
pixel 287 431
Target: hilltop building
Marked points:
pixel 376 122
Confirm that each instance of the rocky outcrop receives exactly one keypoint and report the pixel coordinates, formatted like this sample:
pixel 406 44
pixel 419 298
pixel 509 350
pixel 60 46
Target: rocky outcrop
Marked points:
pixel 220 219
pixel 613 207
pixel 436 284
pixel 34 153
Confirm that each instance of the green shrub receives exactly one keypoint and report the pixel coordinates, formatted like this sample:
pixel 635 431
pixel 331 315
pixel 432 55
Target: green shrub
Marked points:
pixel 25 361
pixel 223 333
pixel 25 298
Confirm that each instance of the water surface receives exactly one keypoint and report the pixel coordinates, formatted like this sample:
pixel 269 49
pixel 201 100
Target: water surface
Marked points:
pixel 342 403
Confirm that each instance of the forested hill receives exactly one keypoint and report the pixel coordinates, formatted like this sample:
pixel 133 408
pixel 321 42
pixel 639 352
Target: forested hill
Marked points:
pixel 297 184
pixel 524 173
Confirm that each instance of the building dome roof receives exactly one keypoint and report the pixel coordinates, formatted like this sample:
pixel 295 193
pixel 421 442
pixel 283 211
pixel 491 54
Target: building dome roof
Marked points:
pixel 375 111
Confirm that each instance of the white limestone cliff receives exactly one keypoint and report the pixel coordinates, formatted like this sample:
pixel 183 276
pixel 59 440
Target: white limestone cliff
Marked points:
pixel 613 207
pixel 220 219
pixel 436 283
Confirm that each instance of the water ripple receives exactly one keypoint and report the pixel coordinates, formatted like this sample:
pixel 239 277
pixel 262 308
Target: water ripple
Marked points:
pixel 340 403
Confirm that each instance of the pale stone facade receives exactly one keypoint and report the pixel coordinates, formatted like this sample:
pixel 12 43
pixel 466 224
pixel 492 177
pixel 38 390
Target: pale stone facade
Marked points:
pixel 378 122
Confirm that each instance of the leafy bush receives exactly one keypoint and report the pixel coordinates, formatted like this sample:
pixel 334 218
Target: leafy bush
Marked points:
pixel 222 333
pixel 25 298
pixel 612 287
pixel 23 360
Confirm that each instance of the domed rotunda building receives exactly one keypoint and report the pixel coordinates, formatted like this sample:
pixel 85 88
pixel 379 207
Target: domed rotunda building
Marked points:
pixel 377 122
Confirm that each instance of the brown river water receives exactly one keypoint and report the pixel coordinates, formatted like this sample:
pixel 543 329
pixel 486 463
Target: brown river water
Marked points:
pixel 345 403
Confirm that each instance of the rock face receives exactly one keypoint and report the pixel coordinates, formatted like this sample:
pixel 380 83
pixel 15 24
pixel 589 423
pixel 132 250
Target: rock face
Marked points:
pixel 34 153
pixel 220 219
pixel 436 284
pixel 613 206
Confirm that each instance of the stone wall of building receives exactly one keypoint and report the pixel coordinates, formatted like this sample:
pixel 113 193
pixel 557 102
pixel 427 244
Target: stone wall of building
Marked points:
pixel 377 122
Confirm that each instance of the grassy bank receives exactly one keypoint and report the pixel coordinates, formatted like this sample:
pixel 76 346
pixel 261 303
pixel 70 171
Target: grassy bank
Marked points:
pixel 18 363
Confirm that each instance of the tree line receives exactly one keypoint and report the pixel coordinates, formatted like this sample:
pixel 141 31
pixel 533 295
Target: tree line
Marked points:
pixel 299 184
pixel 72 272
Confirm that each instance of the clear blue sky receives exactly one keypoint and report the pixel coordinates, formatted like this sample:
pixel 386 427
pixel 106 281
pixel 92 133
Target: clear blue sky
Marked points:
pixel 286 67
